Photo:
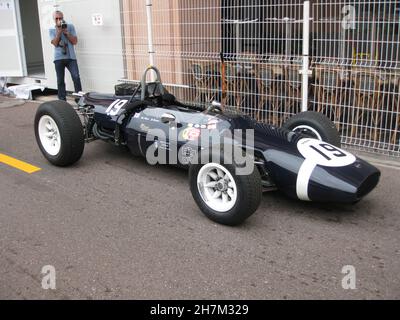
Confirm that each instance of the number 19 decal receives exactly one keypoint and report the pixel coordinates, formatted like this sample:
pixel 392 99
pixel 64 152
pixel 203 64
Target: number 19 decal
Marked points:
pixel 328 151
pixel 324 154
pixel 115 107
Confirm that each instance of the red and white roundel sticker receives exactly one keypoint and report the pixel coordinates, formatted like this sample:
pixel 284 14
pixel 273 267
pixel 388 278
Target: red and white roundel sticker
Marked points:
pixel 191 134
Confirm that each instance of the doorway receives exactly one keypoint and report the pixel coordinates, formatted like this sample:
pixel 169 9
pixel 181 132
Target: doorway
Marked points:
pixel 32 38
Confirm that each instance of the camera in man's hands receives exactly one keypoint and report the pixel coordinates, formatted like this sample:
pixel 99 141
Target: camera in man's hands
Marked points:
pixel 64 25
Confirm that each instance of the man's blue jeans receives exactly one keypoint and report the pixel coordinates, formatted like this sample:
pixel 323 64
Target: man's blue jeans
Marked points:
pixel 72 67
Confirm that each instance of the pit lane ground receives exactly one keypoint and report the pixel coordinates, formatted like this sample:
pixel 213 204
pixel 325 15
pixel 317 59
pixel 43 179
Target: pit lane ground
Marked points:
pixel 116 228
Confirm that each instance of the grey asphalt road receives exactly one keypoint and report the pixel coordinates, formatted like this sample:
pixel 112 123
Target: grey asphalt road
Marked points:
pixel 116 228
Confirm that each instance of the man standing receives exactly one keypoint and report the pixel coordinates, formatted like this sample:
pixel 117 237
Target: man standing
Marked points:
pixel 63 37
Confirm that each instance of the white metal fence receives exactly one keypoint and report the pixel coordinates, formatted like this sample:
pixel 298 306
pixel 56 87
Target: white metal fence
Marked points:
pixel 356 63
pixel 354 55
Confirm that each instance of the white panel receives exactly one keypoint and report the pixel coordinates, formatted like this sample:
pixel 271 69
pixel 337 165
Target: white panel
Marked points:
pixel 12 59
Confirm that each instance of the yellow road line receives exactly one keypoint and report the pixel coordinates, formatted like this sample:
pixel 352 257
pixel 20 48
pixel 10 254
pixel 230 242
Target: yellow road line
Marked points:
pixel 17 164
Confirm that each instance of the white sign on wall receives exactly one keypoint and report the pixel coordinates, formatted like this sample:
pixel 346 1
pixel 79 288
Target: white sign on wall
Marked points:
pixel 97 19
pixel 7 5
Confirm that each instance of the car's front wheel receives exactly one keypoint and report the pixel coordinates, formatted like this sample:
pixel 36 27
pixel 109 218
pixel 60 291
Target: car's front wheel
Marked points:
pixel 222 194
pixel 59 133
pixel 315 125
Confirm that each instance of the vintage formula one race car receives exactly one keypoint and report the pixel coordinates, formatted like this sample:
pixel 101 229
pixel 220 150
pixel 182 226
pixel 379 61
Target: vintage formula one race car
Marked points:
pixel 303 159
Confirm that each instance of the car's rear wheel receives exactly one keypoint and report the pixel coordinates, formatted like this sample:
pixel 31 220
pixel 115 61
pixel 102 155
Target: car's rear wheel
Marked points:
pixel 59 133
pixel 315 125
pixel 222 194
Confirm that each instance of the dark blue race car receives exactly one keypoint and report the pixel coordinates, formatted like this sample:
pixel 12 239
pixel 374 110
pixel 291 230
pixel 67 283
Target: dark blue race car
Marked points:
pixel 231 158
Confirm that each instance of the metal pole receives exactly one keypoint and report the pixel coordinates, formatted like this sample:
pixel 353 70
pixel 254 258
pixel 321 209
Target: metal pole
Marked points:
pixel 305 72
pixel 149 5
pixel 238 38
pixel 288 48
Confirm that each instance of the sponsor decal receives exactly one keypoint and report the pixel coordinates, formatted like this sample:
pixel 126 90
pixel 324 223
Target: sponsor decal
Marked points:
pixel 149 119
pixel 187 154
pixel 144 128
pixel 212 124
pixel 191 134
pixel 163 145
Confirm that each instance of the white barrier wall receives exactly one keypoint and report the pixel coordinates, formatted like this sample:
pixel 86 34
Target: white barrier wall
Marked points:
pixel 100 47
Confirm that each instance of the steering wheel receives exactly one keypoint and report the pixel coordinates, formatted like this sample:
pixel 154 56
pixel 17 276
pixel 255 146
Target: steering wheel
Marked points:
pixel 215 108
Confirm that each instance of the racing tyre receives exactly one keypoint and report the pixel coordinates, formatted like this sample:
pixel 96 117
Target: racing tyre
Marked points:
pixel 221 194
pixel 59 133
pixel 315 125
